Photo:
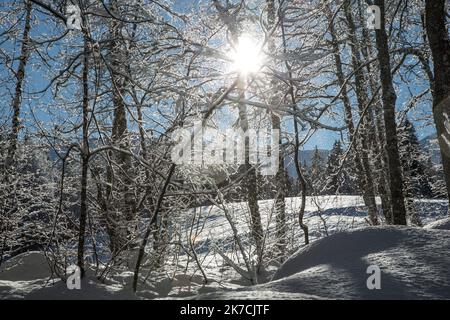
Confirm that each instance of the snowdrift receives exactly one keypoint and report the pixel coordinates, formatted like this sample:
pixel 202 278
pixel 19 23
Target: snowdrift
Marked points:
pixel 25 267
pixel 28 276
pixel 443 224
pixel 414 264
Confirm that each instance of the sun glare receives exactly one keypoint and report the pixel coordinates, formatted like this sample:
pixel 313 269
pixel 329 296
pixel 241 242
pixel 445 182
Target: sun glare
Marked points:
pixel 247 56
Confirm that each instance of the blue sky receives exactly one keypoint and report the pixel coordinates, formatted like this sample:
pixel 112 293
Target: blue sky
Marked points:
pixel 324 139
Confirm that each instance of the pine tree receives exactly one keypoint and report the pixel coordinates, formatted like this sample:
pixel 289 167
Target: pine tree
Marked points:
pixel 413 159
pixel 316 173
pixel 337 179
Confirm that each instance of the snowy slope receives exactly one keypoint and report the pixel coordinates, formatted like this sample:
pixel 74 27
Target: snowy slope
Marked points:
pixel 413 261
pixel 414 264
pixel 443 224
pixel 324 215
pixel 28 276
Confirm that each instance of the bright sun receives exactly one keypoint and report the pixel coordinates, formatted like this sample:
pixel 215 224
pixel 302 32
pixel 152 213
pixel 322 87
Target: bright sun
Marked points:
pixel 246 56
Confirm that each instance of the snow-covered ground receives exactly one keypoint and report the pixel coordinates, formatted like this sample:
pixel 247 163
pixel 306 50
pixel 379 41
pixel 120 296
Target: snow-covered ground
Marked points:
pixel 414 262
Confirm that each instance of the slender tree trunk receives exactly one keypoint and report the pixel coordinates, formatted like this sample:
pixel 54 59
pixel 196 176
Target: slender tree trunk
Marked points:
pixel 438 37
pixel 8 203
pixel 361 95
pixel 280 179
pixel 363 173
pixel 302 184
pixel 250 184
pixel 380 162
pixel 389 99
pixel 20 77
pixel 150 226
pixel 84 157
pixel 122 212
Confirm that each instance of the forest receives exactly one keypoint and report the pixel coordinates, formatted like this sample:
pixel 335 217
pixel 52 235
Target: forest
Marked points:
pixel 218 149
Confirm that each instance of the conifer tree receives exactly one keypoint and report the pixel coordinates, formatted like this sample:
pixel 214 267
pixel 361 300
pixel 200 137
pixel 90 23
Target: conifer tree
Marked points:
pixel 316 173
pixel 417 184
pixel 337 179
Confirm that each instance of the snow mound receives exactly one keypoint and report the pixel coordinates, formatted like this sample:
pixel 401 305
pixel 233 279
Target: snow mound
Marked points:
pixel 23 274
pixel 257 295
pixel 91 289
pixel 443 224
pixel 28 276
pixel 414 264
pixel 26 266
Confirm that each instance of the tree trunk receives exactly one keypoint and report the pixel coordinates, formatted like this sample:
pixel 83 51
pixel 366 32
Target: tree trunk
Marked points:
pixel 302 184
pixel 150 226
pixel 84 158
pixel 122 212
pixel 250 184
pixel 389 99
pixel 20 76
pixel 280 179
pixel 438 38
pixel 362 98
pixel 380 162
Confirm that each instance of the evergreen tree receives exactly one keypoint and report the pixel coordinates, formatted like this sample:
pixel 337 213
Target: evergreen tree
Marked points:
pixel 437 181
pixel 413 159
pixel 316 173
pixel 337 181
pixel 414 162
pixel 435 173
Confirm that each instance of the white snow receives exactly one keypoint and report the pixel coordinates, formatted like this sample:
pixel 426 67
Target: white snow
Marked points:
pixel 26 266
pixel 414 262
pixel 28 276
pixel 91 289
pixel 443 224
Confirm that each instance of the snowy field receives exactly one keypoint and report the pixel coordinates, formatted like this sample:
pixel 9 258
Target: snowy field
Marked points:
pixel 414 262
pixel 414 265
